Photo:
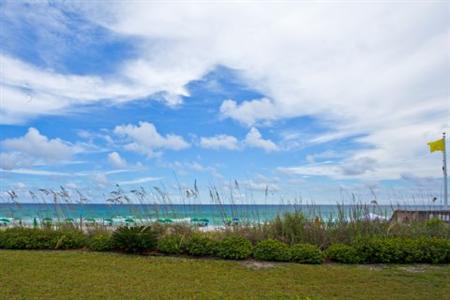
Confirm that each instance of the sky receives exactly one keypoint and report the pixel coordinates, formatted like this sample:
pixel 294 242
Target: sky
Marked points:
pixel 316 102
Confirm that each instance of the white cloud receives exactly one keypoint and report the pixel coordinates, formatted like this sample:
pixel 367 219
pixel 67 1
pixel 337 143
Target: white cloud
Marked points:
pixel 185 168
pixel 37 172
pixel 220 141
pixel 139 180
pixel 249 112
pixel 359 69
pixel 12 160
pixel 328 154
pixel 71 185
pixel 144 138
pixel 254 139
pixel 100 179
pixel 34 147
pixel 116 160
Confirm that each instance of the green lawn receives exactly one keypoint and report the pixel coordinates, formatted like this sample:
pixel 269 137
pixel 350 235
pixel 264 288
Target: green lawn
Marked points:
pixel 88 275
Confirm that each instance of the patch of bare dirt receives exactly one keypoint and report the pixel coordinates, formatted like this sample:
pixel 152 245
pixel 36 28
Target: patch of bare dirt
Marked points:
pixel 257 265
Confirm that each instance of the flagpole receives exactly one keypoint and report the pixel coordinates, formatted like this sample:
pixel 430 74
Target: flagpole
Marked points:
pixel 444 169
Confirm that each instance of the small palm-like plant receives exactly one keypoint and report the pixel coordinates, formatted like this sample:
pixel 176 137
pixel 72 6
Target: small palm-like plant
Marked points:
pixel 135 239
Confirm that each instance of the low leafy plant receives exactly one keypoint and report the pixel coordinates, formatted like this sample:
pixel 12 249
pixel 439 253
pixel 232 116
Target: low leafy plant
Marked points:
pixel 343 254
pixel 171 244
pixel 70 239
pixel 100 242
pixel 433 250
pixel 200 245
pixel 234 247
pixel 34 238
pixel 306 254
pixel 26 238
pixel 272 250
pixel 136 239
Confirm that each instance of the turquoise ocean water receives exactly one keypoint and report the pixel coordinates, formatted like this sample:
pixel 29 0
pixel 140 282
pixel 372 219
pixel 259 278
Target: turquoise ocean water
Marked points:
pixel 216 214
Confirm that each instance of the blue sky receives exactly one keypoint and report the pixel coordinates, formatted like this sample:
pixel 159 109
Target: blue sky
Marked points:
pixel 296 101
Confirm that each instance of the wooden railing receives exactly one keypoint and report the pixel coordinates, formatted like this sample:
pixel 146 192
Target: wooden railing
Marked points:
pixel 403 216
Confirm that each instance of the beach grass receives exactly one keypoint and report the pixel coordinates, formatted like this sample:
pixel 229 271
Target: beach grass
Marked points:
pixel 89 275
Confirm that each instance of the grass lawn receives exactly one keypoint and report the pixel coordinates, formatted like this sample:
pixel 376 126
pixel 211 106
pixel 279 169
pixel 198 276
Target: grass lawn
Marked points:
pixel 88 275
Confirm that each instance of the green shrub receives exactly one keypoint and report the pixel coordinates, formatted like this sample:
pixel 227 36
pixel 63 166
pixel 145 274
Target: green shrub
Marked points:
pixel 26 238
pixel 136 239
pixel 306 254
pixel 433 250
pixel 33 238
pixel 70 239
pixel 171 244
pixel 378 250
pixel 403 250
pixel 437 228
pixel 343 254
pixel 272 250
pixel 234 247
pixel 200 245
pixel 100 242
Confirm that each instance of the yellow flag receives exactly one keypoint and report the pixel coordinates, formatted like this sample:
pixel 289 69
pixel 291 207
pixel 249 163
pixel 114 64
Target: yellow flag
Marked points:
pixel 438 145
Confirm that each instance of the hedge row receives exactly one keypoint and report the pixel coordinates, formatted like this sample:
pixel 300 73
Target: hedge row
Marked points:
pixel 141 239
pixel 392 250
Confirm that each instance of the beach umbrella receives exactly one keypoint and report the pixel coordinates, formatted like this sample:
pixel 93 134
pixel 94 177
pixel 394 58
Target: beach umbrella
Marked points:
pixel 47 220
pixel 90 220
pixel 129 220
pixel 108 221
pixel 4 221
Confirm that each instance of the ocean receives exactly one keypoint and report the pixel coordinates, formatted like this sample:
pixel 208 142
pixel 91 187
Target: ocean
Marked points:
pixel 215 214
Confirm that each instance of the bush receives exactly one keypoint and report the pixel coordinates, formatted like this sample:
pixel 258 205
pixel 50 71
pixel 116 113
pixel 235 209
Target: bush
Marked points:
pixel 25 238
pixel 234 247
pixel 306 254
pixel 433 250
pixel 171 244
pixel 136 239
pixel 200 245
pixel 70 239
pixel 100 242
pixel 403 250
pixel 33 238
pixel 272 250
pixel 343 254
pixel 378 250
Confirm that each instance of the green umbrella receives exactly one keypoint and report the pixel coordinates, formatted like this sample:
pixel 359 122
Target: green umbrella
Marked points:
pixel 165 220
pixel 130 220
pixel 108 221
pixel 5 221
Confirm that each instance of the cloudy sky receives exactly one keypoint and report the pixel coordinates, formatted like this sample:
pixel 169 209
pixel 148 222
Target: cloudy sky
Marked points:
pixel 294 100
